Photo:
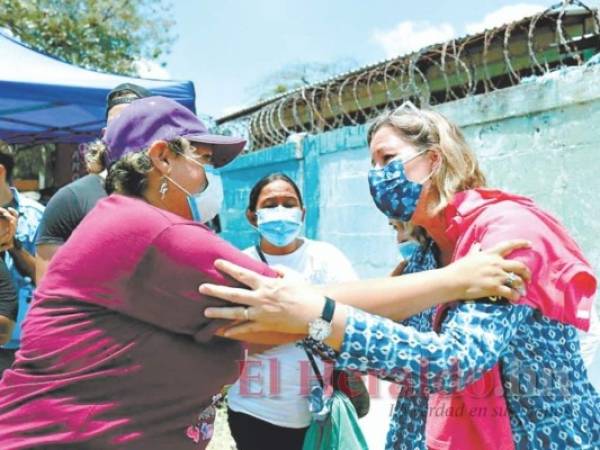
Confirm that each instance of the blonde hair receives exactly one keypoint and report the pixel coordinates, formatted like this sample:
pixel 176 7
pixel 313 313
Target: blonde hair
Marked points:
pixel 429 130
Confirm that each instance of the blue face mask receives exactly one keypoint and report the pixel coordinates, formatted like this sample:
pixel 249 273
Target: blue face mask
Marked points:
pixel 393 193
pixel 407 249
pixel 280 226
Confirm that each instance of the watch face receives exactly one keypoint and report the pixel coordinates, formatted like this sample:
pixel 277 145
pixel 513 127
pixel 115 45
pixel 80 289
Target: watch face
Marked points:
pixel 319 329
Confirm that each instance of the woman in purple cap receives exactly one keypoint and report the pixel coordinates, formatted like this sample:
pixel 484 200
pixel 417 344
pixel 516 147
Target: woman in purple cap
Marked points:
pixel 116 351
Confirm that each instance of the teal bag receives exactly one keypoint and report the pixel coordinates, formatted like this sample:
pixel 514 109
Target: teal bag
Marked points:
pixel 334 425
pixel 339 430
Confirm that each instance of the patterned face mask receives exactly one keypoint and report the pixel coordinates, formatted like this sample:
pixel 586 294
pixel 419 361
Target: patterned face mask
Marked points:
pixel 393 193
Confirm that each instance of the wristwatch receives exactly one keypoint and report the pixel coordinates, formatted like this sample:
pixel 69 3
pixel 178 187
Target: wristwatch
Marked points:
pixel 320 328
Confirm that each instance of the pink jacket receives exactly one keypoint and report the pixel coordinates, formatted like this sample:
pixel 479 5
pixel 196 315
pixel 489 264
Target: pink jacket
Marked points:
pixel 562 288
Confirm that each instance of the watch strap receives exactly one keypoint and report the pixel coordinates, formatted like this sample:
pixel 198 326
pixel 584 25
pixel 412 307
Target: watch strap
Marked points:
pixel 328 310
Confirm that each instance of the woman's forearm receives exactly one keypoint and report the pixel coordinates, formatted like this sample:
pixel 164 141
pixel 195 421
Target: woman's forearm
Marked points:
pixel 6 327
pixel 263 340
pixel 400 297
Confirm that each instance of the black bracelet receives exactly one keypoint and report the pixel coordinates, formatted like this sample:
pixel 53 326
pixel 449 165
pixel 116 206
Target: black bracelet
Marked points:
pixel 319 349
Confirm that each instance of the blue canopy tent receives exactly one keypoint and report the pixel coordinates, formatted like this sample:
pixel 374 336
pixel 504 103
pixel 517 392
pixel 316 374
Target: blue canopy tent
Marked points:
pixel 45 100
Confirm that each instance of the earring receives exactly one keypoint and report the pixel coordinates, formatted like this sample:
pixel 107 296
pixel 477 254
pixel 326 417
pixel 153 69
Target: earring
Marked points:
pixel 164 187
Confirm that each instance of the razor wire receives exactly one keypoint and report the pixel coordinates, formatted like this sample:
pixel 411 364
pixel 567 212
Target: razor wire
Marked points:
pixel 566 34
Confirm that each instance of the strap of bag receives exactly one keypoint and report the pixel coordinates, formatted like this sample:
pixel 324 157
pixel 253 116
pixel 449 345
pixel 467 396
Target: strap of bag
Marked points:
pixel 361 404
pixel 315 368
pixel 261 255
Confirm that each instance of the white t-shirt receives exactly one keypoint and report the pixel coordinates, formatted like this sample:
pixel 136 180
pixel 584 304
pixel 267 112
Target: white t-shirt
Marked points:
pixel 273 390
pixel 590 349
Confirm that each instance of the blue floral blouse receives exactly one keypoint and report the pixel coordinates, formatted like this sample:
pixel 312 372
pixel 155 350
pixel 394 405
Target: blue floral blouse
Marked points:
pixel 550 401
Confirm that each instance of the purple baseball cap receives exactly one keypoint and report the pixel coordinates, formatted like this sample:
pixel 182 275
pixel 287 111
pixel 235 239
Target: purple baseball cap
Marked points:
pixel 152 119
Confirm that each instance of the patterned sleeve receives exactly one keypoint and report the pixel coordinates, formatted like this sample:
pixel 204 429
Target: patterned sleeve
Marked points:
pixel 472 338
pixel 29 220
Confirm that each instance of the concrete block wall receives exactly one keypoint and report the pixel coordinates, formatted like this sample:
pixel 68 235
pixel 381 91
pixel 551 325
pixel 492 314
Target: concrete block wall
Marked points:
pixel 348 218
pixel 542 139
pixel 539 139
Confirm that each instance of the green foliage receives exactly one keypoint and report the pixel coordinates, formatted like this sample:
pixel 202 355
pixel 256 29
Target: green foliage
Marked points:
pixel 105 35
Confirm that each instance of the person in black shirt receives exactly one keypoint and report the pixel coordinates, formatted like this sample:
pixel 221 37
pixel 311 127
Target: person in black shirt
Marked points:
pixel 8 314
pixel 67 208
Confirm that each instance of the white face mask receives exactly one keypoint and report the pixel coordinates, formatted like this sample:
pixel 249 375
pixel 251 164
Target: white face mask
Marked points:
pixel 205 205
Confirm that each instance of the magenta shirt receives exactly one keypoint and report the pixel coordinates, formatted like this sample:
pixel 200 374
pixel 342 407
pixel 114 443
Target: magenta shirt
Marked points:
pixel 116 351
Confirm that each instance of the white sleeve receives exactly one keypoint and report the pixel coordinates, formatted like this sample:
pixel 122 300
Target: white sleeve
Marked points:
pixel 251 252
pixel 590 348
pixel 339 268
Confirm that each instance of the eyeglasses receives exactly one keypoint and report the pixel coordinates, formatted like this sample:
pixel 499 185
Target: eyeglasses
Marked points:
pixel 407 106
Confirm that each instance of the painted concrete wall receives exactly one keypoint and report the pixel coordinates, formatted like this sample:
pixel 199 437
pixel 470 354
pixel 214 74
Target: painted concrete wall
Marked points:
pixel 241 175
pixel 539 139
